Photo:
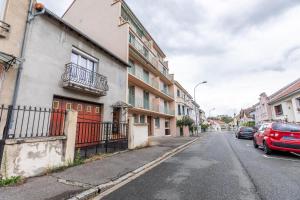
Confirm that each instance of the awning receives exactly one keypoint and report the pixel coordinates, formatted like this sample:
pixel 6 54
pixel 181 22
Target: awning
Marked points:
pixel 121 104
pixel 8 60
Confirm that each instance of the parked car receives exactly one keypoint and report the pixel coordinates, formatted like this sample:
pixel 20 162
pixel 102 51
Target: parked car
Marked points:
pixel 245 132
pixel 278 136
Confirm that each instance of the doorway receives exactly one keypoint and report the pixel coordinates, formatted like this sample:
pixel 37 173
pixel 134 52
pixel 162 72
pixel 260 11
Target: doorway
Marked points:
pixel 150 130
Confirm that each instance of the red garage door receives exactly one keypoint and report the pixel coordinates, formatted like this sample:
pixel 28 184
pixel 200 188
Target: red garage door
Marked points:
pixel 88 121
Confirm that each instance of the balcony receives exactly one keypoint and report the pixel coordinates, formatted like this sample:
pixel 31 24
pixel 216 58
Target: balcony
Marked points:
pixel 4 29
pixel 150 85
pixel 143 49
pixel 84 80
pixel 149 108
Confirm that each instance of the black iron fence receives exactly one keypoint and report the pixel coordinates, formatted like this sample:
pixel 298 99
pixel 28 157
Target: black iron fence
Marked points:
pixel 95 137
pixel 29 122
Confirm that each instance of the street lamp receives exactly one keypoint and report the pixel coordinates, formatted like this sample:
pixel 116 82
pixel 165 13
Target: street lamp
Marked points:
pixel 203 82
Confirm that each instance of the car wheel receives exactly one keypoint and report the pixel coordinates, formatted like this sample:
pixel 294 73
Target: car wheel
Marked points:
pixel 255 144
pixel 238 137
pixel 267 150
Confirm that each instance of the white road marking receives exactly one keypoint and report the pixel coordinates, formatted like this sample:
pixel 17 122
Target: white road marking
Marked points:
pixel 286 159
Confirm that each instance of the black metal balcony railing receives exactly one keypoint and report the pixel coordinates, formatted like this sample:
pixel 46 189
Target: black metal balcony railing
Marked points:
pixel 78 77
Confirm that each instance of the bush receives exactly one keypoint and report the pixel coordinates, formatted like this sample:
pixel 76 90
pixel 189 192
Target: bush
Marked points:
pixel 204 127
pixel 249 124
pixel 10 181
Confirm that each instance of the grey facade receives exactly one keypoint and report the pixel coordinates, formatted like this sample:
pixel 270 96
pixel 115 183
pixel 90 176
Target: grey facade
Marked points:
pixel 49 48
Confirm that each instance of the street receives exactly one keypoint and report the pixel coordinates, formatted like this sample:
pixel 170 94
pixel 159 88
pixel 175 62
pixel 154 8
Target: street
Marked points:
pixel 218 166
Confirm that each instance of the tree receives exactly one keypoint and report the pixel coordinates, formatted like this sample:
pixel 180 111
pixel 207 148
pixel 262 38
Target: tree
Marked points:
pixel 185 121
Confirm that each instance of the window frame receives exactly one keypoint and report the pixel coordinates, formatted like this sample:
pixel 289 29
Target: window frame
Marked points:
pixel 3 9
pixel 277 112
pixel 157 122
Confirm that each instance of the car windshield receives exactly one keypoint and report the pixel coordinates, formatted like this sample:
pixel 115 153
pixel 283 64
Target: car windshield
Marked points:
pixel 286 127
pixel 247 129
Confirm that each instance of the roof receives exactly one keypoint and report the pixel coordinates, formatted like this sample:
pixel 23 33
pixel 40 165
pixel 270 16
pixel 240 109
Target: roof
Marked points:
pixel 72 28
pixel 286 91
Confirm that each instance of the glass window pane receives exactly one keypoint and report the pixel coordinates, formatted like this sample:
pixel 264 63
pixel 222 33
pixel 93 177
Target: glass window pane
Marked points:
pixel 74 58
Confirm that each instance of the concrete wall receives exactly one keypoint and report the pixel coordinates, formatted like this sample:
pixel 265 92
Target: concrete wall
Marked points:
pixel 28 157
pixel 101 21
pixel 138 135
pixel 49 48
pixel 15 15
pixel 289 108
pixel 31 157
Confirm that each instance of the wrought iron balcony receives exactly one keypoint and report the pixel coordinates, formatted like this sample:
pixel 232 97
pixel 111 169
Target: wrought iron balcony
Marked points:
pixel 85 80
pixel 4 29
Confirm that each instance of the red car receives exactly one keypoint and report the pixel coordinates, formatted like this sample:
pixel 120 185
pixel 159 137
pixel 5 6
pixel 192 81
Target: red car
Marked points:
pixel 278 136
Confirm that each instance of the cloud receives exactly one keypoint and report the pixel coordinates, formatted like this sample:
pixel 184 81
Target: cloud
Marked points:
pixel 257 14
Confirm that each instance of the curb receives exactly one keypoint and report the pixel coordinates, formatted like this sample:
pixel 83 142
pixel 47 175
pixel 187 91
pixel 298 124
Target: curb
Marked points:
pixel 95 191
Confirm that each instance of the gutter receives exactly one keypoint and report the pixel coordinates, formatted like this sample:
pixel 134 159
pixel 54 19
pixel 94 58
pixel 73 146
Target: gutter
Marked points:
pixel 23 48
pixel 284 97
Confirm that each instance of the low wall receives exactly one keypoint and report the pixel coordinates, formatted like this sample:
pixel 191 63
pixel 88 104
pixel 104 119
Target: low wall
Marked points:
pixel 32 156
pixel 138 135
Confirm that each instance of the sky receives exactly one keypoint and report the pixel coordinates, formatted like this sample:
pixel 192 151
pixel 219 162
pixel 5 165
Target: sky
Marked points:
pixel 241 48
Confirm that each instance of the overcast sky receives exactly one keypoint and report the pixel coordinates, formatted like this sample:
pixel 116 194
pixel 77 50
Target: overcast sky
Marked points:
pixel 242 48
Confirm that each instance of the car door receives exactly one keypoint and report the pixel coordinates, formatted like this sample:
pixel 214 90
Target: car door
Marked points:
pixel 260 134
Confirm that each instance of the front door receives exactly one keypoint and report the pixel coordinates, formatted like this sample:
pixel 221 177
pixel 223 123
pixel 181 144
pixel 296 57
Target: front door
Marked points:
pixel 149 121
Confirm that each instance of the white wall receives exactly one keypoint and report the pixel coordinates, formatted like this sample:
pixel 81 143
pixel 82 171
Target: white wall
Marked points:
pixel 31 157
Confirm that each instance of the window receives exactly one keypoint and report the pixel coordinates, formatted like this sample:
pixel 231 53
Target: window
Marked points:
pixel 132 67
pixel 142 119
pixel 68 106
pixel 178 93
pixel 55 105
pixel 87 67
pixel 136 119
pixel 188 112
pixel 183 110
pixel 164 71
pixel 298 103
pixel 131 38
pixel 146 100
pixel 2 8
pixel 79 107
pixel 166 107
pixel 179 110
pixel 278 110
pixel 146 52
pixel 89 109
pixel 165 88
pixel 131 93
pixel 146 76
pixel 97 110
pixel 157 122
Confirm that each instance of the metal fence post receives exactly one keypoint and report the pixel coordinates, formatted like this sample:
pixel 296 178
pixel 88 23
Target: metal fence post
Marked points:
pixel 8 120
pixel 106 136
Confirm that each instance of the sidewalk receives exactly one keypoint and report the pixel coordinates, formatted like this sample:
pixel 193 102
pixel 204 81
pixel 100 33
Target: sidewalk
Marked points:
pixel 74 180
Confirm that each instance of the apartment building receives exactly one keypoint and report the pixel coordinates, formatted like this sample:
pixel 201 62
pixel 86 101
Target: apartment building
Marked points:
pixel 184 107
pixel 13 16
pixel 150 86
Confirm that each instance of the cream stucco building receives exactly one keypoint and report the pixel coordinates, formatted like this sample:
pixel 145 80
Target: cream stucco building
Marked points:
pixel 13 17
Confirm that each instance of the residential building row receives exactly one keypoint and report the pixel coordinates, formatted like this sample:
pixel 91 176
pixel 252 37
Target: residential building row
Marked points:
pixel 102 63
pixel 283 105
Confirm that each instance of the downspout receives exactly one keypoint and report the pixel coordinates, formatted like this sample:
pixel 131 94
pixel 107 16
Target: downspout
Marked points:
pixel 22 54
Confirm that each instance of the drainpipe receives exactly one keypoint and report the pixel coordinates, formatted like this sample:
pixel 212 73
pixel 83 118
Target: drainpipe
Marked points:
pixel 22 54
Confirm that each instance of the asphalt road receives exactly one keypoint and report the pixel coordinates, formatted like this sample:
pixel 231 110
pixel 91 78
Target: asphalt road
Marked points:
pixel 218 166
